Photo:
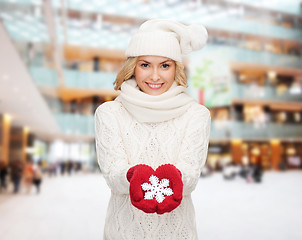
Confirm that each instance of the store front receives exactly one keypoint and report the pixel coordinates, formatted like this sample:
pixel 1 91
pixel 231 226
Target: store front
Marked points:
pixel 219 155
pixel 271 154
pixel 258 153
pixel 291 155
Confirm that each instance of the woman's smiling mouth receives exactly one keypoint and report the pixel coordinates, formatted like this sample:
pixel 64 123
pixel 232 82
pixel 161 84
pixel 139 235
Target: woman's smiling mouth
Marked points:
pixel 155 86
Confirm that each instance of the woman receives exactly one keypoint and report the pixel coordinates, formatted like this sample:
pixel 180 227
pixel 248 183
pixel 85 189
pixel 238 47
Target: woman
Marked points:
pixel 37 178
pixel 16 174
pixel 152 140
pixel 28 175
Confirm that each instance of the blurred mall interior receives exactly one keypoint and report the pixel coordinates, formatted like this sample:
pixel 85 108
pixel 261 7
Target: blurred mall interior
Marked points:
pixel 59 60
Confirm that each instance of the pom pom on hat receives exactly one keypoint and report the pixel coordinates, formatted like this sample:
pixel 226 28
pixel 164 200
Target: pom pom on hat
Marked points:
pixel 167 38
pixel 199 36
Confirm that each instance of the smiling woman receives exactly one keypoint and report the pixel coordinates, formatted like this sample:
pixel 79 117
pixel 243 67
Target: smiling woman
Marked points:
pixel 152 140
pixel 127 72
pixel 154 74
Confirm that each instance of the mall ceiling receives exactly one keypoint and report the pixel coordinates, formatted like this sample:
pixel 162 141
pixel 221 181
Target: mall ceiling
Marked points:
pixel 19 96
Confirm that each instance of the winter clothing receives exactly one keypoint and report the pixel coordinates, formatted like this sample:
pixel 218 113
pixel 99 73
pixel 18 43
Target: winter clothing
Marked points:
pixel 147 108
pixel 167 38
pixel 138 175
pixel 163 195
pixel 125 140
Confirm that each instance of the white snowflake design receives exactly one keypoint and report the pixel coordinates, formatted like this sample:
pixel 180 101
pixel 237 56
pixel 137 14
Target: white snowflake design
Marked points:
pixel 157 189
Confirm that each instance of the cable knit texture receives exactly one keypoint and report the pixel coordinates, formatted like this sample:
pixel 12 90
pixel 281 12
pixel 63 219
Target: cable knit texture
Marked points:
pixel 123 142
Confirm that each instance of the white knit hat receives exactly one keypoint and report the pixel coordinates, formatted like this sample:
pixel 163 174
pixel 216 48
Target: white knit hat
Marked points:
pixel 167 38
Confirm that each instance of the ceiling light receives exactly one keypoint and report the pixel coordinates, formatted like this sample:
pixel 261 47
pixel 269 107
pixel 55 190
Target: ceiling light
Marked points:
pixel 26 129
pixel 272 75
pixel 7 117
pixel 242 77
pixel 275 141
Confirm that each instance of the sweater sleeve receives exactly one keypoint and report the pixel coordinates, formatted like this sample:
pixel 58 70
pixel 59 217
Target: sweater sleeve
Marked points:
pixel 111 154
pixel 194 149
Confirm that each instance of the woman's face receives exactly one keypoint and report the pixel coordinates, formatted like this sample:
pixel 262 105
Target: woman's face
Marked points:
pixel 154 74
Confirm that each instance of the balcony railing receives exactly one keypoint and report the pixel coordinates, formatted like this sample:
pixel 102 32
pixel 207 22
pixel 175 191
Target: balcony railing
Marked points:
pixel 46 77
pixel 76 124
pixel 95 80
pixel 73 78
pixel 267 92
pixel 236 129
pixel 238 54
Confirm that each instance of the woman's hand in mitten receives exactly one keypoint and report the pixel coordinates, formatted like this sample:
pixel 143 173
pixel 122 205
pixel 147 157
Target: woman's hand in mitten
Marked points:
pixel 157 191
pixel 173 175
pixel 138 175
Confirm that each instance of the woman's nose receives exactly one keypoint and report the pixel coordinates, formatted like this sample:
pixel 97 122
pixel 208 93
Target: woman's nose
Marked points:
pixel 155 75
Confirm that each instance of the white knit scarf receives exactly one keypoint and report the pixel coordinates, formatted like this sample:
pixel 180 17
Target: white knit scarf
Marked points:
pixel 148 108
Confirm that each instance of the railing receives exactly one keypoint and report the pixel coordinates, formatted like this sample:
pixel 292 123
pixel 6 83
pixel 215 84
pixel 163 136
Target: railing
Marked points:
pixel 238 54
pixel 42 76
pixel 73 78
pixel 95 80
pixel 268 92
pixel 235 129
pixel 76 124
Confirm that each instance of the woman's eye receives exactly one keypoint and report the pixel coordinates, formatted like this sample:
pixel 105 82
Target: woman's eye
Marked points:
pixel 144 65
pixel 165 65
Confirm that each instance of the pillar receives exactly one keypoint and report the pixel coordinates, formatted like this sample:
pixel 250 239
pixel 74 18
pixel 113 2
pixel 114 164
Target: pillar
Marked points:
pixel 5 125
pixel 25 132
pixel 236 150
pixel 275 153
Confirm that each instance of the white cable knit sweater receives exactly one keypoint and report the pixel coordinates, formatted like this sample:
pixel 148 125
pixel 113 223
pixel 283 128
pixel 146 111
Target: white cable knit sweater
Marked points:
pixel 122 142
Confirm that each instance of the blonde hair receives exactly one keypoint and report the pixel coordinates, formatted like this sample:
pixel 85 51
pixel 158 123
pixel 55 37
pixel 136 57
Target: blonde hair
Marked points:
pixel 127 72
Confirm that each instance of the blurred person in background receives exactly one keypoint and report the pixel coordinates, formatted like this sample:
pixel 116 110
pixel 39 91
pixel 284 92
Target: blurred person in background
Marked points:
pixel 152 141
pixel 37 178
pixel 28 175
pixel 206 170
pixel 62 167
pixel 257 172
pixel 252 172
pixel 16 174
pixel 52 169
pixel 3 174
pixel 69 165
pixel 230 171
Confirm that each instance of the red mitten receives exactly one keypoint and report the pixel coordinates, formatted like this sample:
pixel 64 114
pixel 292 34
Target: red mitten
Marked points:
pixel 173 175
pixel 157 191
pixel 138 175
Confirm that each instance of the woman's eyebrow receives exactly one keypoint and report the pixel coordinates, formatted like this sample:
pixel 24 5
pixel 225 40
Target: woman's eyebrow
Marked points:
pixel 143 61
pixel 166 61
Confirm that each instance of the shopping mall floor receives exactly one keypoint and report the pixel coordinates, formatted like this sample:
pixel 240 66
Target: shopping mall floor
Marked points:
pixel 74 207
